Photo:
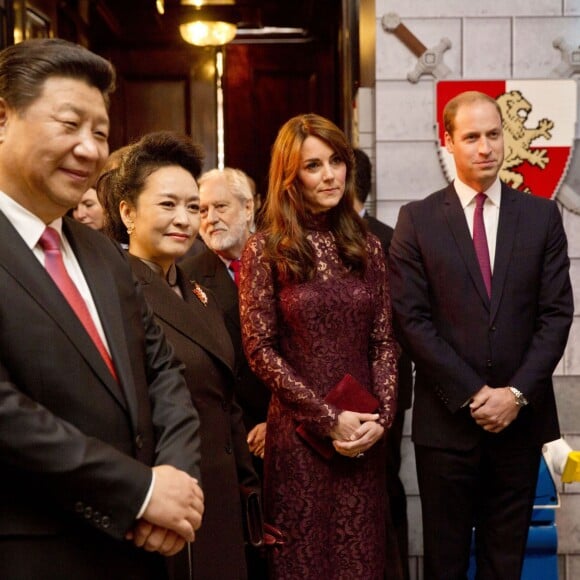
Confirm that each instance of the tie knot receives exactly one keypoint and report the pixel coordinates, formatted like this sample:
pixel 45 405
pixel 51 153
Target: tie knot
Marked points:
pixel 50 240
pixel 480 200
pixel 235 265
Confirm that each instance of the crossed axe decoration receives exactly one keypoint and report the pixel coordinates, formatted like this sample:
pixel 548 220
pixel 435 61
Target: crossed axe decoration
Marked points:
pixel 430 59
pixel 570 64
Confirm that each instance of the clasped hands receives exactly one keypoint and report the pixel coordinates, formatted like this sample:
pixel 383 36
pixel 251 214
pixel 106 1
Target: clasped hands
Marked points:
pixel 355 433
pixel 173 514
pixel 493 409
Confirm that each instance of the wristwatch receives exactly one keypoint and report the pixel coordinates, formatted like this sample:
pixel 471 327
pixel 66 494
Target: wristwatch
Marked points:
pixel 521 401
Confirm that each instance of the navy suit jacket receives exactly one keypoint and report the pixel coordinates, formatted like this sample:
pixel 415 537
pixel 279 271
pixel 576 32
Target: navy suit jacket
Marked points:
pixel 461 340
pixel 75 446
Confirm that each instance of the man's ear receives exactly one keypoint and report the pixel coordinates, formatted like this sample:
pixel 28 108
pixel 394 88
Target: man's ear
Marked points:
pixel 4 115
pixel 449 142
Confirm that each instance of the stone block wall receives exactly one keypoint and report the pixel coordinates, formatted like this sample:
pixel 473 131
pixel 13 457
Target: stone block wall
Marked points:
pixel 493 40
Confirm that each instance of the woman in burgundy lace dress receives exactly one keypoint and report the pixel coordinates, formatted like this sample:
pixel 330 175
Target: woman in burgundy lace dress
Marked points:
pixel 314 306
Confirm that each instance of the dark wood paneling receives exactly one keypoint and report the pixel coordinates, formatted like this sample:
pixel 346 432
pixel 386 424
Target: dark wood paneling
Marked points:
pixel 265 85
pixel 165 90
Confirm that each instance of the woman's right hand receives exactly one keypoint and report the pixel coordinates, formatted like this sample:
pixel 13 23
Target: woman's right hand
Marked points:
pixel 348 423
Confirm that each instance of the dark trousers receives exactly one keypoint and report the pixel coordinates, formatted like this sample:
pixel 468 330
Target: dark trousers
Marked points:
pixel 490 488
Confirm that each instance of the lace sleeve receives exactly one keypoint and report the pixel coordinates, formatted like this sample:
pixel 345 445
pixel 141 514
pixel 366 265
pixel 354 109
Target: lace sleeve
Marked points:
pixel 384 350
pixel 260 334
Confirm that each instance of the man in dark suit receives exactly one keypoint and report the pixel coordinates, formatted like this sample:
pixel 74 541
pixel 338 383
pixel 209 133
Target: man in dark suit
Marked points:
pixel 98 436
pixel 227 219
pixel 486 327
pixel 395 488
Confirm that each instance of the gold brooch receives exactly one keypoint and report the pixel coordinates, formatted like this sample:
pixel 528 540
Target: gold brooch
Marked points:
pixel 200 294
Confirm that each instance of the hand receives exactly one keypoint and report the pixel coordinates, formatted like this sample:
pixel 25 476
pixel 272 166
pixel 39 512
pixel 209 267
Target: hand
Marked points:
pixel 176 503
pixel 362 440
pixel 257 440
pixel 494 409
pixel 356 432
pixel 155 539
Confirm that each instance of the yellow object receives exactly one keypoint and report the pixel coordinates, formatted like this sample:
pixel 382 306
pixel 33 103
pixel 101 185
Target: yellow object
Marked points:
pixel 208 33
pixel 571 471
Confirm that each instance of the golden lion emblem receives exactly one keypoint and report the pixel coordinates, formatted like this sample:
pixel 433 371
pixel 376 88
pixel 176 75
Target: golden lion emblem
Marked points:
pixel 518 138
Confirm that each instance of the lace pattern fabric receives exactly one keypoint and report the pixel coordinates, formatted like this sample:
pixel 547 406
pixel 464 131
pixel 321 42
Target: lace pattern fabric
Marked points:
pixel 301 339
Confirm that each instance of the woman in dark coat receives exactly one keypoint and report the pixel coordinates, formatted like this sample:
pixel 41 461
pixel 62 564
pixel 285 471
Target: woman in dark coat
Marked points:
pixel 153 206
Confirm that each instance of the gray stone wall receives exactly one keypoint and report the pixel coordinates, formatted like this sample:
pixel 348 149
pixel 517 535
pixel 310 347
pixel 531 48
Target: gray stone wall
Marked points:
pixel 492 40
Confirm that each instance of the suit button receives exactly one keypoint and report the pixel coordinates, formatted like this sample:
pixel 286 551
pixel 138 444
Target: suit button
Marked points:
pixel 228 449
pixel 79 507
pixel 106 522
pixel 493 328
pixel 139 441
pixel 88 513
pixel 488 364
pixel 97 518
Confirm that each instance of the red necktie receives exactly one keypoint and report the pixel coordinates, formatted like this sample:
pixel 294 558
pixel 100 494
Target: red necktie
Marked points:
pixel 480 241
pixel 235 266
pixel 50 243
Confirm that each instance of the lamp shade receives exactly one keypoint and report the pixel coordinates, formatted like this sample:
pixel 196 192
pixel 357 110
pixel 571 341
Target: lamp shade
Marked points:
pixel 207 32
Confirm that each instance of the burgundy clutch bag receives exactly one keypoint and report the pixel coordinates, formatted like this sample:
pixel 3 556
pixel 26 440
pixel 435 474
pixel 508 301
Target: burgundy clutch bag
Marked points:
pixel 349 395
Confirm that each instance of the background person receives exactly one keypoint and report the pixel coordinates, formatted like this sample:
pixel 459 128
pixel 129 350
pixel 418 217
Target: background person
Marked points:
pixel 314 305
pixel 155 190
pixel 395 489
pixel 98 436
pixel 227 219
pixel 89 211
pixel 482 294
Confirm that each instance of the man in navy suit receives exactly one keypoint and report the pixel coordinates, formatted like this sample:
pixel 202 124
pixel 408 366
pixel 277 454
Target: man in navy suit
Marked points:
pixel 99 447
pixel 484 402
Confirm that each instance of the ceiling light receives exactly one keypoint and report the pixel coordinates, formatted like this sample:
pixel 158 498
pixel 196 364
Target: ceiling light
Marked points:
pixel 199 3
pixel 208 32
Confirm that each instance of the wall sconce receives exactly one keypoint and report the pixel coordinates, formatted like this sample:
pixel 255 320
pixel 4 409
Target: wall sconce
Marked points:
pixel 207 32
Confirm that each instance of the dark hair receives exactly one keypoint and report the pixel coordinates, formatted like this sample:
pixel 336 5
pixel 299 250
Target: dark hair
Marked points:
pixel 135 164
pixel 285 211
pixel 24 68
pixel 465 98
pixel 363 175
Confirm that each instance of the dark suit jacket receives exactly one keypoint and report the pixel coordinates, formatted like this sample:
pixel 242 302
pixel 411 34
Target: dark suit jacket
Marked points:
pixel 209 271
pixel 202 343
pixel 405 367
pixel 75 447
pixel 458 338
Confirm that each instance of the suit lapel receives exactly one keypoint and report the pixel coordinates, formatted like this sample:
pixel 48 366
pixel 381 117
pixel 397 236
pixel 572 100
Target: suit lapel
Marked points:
pixel 456 219
pixel 188 316
pixel 106 300
pixel 20 262
pixel 506 233
pixel 212 273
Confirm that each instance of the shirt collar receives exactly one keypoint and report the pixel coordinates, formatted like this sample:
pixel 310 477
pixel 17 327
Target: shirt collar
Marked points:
pixel 170 278
pixel 467 194
pixel 28 225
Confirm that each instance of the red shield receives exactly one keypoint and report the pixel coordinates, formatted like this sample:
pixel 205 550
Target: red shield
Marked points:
pixel 539 120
